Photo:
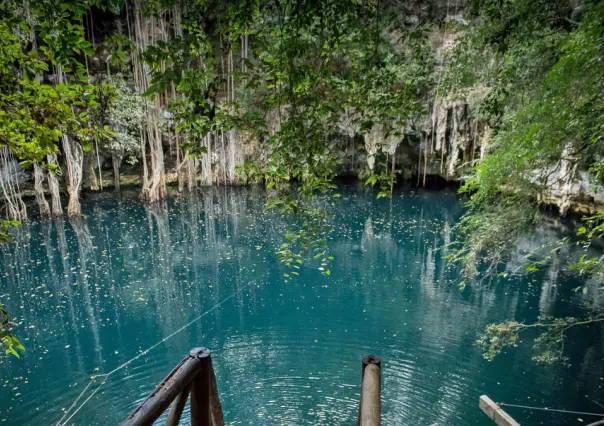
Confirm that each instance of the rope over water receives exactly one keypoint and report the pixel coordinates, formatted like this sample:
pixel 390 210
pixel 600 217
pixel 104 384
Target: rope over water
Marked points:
pixel 63 421
pixel 503 404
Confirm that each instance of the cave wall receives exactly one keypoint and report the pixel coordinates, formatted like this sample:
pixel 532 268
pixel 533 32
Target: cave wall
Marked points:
pixel 445 143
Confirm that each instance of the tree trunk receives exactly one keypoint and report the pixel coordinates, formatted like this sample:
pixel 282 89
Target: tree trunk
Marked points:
pixel 98 158
pixel 206 161
pixel 10 188
pixel 39 190
pixel 117 161
pixel 53 186
pixel 223 160
pixel 93 182
pixel 178 170
pixel 145 30
pixel 191 174
pixel 74 157
pixel 235 157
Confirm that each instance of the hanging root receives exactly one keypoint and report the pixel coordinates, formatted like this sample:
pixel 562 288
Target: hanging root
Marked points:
pixel 74 156
pixel 53 186
pixel 39 190
pixel 9 182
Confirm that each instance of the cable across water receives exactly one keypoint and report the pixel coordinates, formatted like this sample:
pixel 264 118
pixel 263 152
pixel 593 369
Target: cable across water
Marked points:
pixel 503 404
pixel 63 421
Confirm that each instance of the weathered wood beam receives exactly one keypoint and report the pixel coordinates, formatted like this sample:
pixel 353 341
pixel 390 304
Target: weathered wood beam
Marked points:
pixel 495 413
pixel 215 405
pixel 177 407
pixel 200 392
pixel 367 360
pixel 370 412
pixel 169 389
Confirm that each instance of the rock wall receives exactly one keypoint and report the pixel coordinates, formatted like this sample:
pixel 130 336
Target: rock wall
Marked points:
pixel 572 189
pixel 452 140
pixel 445 143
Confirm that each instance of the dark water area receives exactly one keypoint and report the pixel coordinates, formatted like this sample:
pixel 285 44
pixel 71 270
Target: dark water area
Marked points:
pixel 92 294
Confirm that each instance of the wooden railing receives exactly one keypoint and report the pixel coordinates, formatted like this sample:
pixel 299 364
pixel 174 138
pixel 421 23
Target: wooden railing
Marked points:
pixel 501 418
pixel 370 409
pixel 495 412
pixel 195 376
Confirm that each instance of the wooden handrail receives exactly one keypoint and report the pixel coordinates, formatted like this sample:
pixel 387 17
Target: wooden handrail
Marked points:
pixel 494 411
pixel 178 406
pixel 194 375
pixel 370 406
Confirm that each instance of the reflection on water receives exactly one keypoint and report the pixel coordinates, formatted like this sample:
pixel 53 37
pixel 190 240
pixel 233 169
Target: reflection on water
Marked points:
pixel 91 294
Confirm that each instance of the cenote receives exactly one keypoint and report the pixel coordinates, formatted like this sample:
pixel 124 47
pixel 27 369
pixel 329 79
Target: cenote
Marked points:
pixel 90 294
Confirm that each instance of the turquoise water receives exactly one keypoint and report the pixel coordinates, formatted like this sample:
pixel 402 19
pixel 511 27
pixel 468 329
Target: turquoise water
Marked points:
pixel 91 295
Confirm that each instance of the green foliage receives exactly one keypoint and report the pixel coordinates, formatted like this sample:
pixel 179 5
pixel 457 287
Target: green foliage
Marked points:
pixel 386 179
pixel 250 173
pixel 126 115
pixel 536 126
pixel 315 66
pixel 8 342
pixel 317 70
pixel 589 265
pixel 307 236
pixel 321 66
pixel 537 67
pixel 548 345
pixel 120 50
pixel 490 229
pixel 5 226
pixel 58 27
pixel 95 114
pixel 187 65
pixel 35 39
pixel 33 116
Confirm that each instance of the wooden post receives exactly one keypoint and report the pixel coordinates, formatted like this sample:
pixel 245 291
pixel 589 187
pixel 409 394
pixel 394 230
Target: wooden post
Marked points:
pixel 159 400
pixel 193 375
pixel 200 390
pixel 177 407
pixel 370 359
pixel 215 405
pixel 494 411
pixel 370 397
pixel 367 360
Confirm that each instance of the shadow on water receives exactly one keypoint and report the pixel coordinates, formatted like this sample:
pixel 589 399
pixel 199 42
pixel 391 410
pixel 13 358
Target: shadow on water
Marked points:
pixel 91 294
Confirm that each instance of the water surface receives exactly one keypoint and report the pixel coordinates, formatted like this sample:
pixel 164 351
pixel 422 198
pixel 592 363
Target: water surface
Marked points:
pixel 92 294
